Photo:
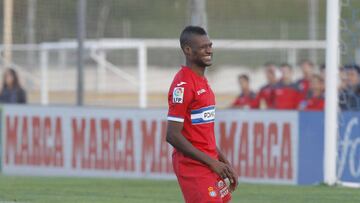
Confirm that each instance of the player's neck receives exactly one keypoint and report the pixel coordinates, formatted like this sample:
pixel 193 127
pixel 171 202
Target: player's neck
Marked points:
pixel 197 69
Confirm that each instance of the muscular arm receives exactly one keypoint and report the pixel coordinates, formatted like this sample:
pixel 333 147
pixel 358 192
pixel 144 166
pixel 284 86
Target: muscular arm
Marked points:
pixel 180 143
pixel 222 157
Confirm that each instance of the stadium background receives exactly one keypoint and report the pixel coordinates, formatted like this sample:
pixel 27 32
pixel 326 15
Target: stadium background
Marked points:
pixel 293 23
pixel 55 21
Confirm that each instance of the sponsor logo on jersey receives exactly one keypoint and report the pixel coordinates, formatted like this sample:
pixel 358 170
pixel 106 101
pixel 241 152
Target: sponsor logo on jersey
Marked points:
pixel 181 83
pixel 203 115
pixel 224 192
pixel 201 91
pixel 220 184
pixel 178 95
pixel 223 187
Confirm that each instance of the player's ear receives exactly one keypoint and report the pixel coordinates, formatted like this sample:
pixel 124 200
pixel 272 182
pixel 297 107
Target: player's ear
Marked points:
pixel 187 50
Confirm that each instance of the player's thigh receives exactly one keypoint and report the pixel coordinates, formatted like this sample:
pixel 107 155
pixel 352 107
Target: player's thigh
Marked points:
pixel 204 189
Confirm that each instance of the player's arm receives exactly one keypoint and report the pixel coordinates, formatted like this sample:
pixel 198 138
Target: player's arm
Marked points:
pixel 181 144
pixel 222 157
pixel 234 177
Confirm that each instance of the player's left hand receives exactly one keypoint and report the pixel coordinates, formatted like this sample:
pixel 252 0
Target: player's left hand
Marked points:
pixel 233 179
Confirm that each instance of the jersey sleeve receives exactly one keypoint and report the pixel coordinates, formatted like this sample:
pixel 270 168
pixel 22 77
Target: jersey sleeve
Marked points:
pixel 179 98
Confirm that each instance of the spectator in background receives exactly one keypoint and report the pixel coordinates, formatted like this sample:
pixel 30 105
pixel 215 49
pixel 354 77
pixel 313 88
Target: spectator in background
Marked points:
pixel 264 98
pixel 307 68
pixel 246 97
pixel 349 98
pixel 314 100
pixel 322 70
pixel 12 92
pixel 286 94
pixel 352 76
pixel 343 83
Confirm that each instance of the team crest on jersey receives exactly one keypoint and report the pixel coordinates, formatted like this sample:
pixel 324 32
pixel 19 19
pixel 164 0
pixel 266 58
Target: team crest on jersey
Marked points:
pixel 212 192
pixel 178 95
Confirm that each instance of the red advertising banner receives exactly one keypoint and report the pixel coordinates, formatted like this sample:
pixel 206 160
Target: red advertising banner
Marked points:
pixel 131 143
pixel 263 146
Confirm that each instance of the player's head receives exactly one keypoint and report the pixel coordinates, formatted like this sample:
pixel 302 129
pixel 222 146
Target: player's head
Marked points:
pixel 286 72
pixel 307 68
pixel 196 46
pixel 271 72
pixel 244 81
pixel 10 79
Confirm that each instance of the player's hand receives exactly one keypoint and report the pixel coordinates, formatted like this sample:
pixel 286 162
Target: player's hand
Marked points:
pixel 223 170
pixel 233 179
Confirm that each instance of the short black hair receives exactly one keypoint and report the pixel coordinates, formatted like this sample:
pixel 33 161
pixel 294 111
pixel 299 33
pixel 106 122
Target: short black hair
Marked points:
pixel 187 33
pixel 244 76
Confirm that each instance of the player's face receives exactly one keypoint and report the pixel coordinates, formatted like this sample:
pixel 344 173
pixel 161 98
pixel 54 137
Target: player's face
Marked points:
pixel 202 52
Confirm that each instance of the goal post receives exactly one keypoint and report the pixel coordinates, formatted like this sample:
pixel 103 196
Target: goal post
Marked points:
pixel 331 93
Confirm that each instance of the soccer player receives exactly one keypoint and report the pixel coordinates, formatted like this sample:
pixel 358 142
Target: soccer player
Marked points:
pixel 201 169
pixel 246 98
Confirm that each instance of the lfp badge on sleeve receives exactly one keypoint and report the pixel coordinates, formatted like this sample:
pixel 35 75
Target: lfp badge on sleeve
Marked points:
pixel 178 95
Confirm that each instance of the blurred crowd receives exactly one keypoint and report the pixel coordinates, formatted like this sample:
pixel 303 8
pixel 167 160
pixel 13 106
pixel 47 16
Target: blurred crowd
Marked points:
pixel 279 92
pixel 306 93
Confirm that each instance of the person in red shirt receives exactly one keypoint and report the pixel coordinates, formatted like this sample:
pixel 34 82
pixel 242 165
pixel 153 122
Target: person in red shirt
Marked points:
pixel 303 84
pixel 203 172
pixel 264 98
pixel 315 98
pixel 286 94
pixel 246 98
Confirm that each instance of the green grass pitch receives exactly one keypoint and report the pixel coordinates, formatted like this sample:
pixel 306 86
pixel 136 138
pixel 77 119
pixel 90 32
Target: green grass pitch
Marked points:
pixel 46 189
